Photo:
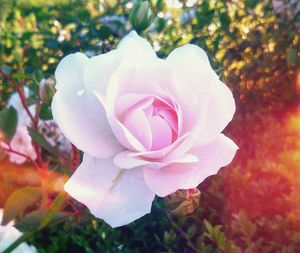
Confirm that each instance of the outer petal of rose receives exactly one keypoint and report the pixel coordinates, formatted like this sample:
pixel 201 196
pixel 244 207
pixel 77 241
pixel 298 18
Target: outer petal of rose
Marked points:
pixel 212 157
pixel 217 153
pixel 199 73
pixel 118 197
pixel 134 43
pixel 99 69
pixel 69 73
pixel 219 112
pixel 83 121
pixel 202 79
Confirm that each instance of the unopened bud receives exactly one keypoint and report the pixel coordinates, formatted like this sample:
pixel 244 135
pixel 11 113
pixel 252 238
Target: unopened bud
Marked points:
pixel 183 202
pixel 141 16
pixel 47 90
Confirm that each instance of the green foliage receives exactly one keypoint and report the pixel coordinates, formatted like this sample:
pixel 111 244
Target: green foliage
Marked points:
pixel 8 123
pixel 39 138
pixel 251 206
pixel 19 201
pixel 35 219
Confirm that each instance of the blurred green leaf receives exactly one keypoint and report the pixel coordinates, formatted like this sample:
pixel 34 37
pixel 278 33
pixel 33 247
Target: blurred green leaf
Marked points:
pixel 20 76
pixel 19 201
pixel 39 138
pixel 8 123
pixel 291 56
pixel 45 112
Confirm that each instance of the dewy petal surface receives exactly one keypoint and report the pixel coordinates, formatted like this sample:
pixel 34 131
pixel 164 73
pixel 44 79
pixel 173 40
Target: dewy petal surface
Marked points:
pixel 69 73
pixel 118 197
pixel 212 157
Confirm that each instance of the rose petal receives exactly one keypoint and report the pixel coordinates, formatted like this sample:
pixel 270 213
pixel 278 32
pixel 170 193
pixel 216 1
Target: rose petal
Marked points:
pixel 124 160
pixel 91 180
pixel 69 73
pixel 180 147
pixel 137 123
pixel 220 111
pixel 136 48
pixel 161 133
pixel 99 69
pixel 199 74
pixel 212 157
pixel 83 121
pixel 201 78
pixel 125 137
pixel 117 197
pixel 215 154
pixel 131 102
pixel 153 78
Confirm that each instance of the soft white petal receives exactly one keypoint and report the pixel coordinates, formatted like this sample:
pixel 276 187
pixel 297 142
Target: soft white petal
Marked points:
pixel 127 201
pixel 116 196
pixel 135 47
pixel 9 234
pixel 99 69
pixel 219 112
pixel 217 153
pixel 212 157
pixel 125 160
pixel 191 65
pixel 91 180
pixel 69 73
pixel 125 137
pixel 83 121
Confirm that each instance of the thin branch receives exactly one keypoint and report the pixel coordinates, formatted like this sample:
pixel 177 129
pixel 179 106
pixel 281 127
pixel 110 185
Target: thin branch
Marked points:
pixel 10 150
pixel 34 118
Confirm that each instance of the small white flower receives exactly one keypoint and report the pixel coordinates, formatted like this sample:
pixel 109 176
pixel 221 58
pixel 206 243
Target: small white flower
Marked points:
pixel 21 142
pixel 9 234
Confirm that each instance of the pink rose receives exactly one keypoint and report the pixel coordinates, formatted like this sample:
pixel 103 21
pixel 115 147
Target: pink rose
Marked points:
pixel 146 125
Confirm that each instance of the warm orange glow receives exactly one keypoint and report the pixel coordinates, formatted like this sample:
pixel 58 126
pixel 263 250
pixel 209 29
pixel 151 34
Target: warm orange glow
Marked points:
pixel 298 83
pixel 264 180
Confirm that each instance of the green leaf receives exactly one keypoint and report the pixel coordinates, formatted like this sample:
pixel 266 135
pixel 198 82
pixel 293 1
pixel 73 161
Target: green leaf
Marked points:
pixel 45 112
pixel 20 76
pixel 32 220
pixel 37 137
pixel 19 201
pixel 208 227
pixel 56 205
pixel 291 56
pixel 8 123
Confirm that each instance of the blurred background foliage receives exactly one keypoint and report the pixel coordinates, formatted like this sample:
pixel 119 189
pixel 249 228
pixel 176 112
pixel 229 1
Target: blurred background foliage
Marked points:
pixel 252 205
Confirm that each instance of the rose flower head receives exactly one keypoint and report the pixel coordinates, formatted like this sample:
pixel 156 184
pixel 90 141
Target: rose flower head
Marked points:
pixel 147 126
